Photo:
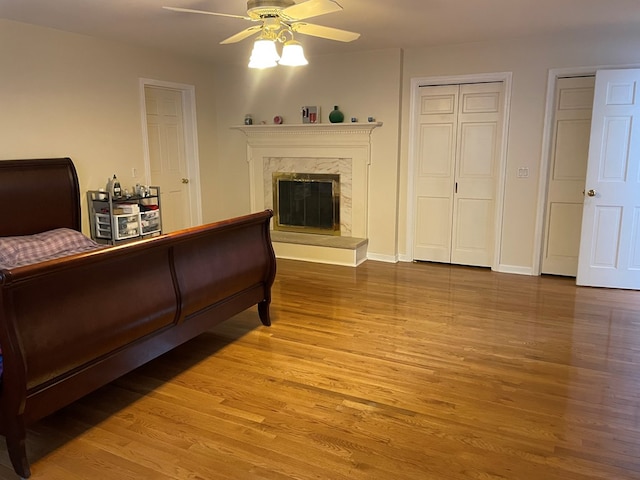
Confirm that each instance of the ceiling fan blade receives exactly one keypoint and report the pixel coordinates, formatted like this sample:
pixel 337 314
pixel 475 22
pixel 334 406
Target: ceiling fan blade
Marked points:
pixel 241 35
pixel 189 10
pixel 310 8
pixel 324 32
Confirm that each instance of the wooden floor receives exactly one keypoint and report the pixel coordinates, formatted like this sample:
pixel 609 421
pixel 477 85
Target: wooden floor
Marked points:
pixel 391 372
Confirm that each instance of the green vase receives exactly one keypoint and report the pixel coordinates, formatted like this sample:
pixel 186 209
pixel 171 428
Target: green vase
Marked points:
pixel 336 116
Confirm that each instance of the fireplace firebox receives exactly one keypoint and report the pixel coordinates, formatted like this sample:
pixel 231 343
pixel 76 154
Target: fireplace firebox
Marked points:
pixel 307 202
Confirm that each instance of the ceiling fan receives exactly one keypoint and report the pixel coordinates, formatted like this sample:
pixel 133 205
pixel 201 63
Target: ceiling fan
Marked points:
pixel 275 16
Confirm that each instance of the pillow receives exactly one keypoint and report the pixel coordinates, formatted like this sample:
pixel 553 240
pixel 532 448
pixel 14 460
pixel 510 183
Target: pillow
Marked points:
pixel 28 249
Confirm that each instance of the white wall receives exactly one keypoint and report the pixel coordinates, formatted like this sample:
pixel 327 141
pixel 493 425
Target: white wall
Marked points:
pixel 67 95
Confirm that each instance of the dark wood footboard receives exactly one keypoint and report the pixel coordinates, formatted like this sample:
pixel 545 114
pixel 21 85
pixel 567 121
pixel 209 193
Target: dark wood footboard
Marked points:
pixel 71 325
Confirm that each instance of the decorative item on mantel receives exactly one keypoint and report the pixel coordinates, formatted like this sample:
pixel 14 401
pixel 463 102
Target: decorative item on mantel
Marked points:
pixel 310 114
pixel 336 116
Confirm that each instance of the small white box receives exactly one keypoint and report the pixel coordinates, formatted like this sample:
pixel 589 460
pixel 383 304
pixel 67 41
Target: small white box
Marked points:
pixel 123 208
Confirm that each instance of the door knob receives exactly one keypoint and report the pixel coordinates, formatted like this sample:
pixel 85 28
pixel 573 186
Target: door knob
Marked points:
pixel 591 193
pixel 185 180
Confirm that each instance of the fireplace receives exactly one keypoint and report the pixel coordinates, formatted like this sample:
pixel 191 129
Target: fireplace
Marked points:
pixel 306 202
pixel 342 149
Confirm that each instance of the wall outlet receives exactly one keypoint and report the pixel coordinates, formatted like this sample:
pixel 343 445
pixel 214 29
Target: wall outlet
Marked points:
pixel 523 172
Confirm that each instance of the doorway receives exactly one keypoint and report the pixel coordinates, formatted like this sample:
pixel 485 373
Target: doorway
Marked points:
pixel 457 169
pixel 170 145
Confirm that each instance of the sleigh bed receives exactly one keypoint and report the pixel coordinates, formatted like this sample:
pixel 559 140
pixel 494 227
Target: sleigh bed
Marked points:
pixel 73 322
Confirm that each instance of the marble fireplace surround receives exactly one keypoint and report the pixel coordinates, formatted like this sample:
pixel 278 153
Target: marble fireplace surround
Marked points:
pixel 343 148
pixel 339 166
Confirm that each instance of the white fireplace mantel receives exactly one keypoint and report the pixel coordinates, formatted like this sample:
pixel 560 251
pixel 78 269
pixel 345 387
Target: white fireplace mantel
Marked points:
pixel 319 144
pixel 308 133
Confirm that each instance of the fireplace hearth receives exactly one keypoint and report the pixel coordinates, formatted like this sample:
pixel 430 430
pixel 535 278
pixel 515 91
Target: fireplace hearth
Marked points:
pixel 306 202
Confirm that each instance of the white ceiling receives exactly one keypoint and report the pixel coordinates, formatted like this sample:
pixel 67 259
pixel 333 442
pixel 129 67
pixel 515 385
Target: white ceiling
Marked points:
pixel 382 23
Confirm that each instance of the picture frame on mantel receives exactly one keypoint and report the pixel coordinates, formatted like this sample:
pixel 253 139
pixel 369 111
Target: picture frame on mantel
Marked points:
pixel 311 114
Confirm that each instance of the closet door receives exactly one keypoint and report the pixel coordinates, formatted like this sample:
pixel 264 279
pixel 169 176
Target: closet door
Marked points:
pixel 457 152
pixel 568 169
pixel 479 128
pixel 434 174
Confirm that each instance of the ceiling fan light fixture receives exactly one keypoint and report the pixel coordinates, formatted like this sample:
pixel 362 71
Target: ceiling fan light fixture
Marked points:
pixel 293 54
pixel 264 54
pixel 278 19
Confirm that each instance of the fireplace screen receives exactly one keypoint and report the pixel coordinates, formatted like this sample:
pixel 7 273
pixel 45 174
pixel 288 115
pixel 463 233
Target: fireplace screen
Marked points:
pixel 307 202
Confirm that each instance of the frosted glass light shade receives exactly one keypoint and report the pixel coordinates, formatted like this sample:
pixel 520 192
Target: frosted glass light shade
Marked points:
pixel 264 54
pixel 293 55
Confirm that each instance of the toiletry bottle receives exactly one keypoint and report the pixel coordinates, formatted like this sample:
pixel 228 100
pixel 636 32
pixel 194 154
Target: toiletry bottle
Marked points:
pixel 117 191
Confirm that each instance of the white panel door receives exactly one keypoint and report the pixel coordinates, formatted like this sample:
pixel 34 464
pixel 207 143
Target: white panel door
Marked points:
pixel 568 169
pixel 459 128
pixel 610 239
pixel 435 170
pixel 479 130
pixel 167 155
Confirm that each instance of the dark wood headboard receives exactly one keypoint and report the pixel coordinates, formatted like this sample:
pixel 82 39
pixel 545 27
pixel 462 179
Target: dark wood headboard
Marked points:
pixel 38 195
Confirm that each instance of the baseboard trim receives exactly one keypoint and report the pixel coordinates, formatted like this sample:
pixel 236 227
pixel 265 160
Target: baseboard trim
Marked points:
pixel 378 257
pixel 518 270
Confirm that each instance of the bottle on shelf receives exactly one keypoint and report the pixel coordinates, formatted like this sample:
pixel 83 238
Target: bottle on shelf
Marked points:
pixel 117 191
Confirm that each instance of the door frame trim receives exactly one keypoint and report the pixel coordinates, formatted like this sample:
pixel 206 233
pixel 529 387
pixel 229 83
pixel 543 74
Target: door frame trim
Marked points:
pixel 190 130
pixel 416 82
pixel 545 160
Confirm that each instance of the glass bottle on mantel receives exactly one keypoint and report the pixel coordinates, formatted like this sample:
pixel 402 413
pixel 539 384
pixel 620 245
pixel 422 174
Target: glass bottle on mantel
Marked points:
pixel 336 116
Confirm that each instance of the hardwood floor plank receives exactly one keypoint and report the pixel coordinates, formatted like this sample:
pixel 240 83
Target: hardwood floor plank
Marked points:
pixel 384 371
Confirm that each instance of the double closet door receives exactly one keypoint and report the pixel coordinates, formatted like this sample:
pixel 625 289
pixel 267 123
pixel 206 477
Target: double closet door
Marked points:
pixel 457 153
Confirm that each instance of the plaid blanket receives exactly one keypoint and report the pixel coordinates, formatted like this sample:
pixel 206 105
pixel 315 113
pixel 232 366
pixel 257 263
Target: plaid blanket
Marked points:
pixel 29 249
